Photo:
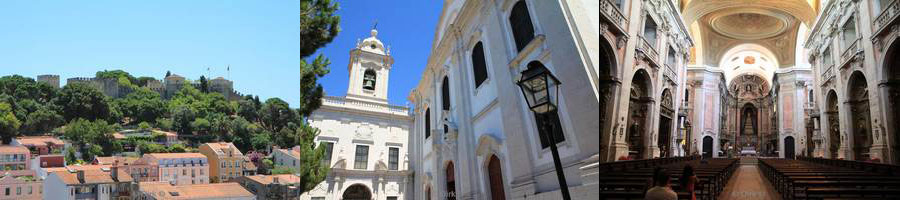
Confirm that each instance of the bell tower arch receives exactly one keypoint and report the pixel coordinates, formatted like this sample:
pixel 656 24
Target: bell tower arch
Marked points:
pixel 370 66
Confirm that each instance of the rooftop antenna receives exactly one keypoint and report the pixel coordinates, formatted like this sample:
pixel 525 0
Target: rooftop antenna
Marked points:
pixel 228 70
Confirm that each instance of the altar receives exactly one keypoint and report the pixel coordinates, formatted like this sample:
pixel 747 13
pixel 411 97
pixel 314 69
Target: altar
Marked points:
pixel 748 151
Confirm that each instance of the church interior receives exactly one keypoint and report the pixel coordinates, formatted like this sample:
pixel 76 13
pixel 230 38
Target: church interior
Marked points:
pixel 763 99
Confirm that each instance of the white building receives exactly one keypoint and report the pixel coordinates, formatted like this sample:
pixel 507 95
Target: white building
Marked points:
pixel 367 137
pixel 474 136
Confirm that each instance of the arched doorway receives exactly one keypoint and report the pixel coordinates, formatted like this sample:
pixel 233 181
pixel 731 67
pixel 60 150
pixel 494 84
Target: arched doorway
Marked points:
pixel 667 112
pixel 607 82
pixel 707 147
pixel 357 192
pixel 858 94
pixel 749 130
pixel 428 193
pixel 451 182
pixel 638 113
pixel 834 125
pixel 789 147
pixel 892 77
pixel 495 174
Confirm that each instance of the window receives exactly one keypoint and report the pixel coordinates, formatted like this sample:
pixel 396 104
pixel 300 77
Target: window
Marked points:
pixel 522 29
pixel 427 123
pixel 650 31
pixel 479 65
pixel 369 78
pixel 826 58
pixel 555 128
pixel 670 58
pixel 362 157
pixel 328 149
pixel 317 198
pixel 445 94
pixel 391 198
pixel 849 32
pixel 393 158
pixel 619 4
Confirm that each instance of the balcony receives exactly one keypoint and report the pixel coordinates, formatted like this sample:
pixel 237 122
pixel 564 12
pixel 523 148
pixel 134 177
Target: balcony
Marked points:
pixel 374 107
pixel 648 50
pixel 828 73
pixel 613 15
pixel 884 19
pixel 850 52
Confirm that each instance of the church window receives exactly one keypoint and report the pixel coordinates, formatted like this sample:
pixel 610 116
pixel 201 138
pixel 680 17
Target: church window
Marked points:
pixel 427 123
pixel 849 32
pixel 445 94
pixel 393 158
pixel 362 157
pixel 671 58
pixel 328 150
pixel 650 31
pixel 369 78
pixel 555 128
pixel 479 65
pixel 522 28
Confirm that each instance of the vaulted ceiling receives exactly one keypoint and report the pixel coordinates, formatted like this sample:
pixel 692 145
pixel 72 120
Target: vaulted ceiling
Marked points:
pixel 721 25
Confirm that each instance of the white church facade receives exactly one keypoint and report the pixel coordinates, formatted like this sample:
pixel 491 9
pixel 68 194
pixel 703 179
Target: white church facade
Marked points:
pixel 366 136
pixel 474 136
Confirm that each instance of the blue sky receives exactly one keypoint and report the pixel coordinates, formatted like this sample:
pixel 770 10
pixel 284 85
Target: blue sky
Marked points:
pixel 258 39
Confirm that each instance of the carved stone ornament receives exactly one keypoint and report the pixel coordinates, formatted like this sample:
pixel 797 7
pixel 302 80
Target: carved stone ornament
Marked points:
pixel 621 41
pixel 604 27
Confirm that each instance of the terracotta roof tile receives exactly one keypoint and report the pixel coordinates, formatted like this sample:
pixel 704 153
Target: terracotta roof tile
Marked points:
pixel 162 190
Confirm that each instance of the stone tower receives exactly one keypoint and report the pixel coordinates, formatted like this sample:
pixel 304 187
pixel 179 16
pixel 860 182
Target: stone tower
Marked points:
pixel 370 66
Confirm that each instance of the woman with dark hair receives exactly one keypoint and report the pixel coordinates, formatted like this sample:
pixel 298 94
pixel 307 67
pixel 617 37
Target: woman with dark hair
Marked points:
pixel 661 189
pixel 688 180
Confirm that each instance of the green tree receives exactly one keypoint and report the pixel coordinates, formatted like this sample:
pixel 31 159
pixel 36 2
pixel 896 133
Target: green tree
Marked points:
pixel 182 117
pixel 144 126
pixel 276 115
pixel 118 75
pixel 144 80
pixel 70 156
pixel 201 125
pixel 248 108
pixel 177 148
pixel 318 26
pixel 145 147
pixel 260 141
pixel 82 101
pixel 204 84
pixel 143 105
pixel 92 138
pixel 43 120
pixel 9 125
pixel 164 124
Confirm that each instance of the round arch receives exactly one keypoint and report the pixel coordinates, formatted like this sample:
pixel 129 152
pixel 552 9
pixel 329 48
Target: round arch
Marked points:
pixel 891 75
pixel 357 192
pixel 639 106
pixel 834 126
pixel 748 58
pixel 860 119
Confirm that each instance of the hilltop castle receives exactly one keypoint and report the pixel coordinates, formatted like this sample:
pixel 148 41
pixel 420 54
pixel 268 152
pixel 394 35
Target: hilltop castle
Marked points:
pixel 166 88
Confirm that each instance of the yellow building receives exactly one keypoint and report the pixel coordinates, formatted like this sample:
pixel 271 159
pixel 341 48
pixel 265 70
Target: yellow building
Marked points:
pixel 226 161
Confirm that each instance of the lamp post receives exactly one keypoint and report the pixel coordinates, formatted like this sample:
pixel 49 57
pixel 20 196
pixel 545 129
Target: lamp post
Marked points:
pixel 541 91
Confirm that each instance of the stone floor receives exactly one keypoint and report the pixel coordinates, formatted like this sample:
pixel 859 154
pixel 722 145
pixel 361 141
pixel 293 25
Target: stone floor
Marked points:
pixel 748 183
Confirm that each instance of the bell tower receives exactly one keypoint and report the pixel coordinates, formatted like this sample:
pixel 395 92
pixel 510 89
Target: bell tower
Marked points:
pixel 370 67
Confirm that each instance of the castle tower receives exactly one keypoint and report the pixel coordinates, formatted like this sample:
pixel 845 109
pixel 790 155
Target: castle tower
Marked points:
pixel 370 66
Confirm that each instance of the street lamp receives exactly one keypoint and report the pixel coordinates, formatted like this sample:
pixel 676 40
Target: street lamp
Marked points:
pixel 541 91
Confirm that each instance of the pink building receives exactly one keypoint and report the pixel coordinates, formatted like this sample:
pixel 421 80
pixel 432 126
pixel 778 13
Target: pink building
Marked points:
pixel 20 186
pixel 14 158
pixel 179 168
